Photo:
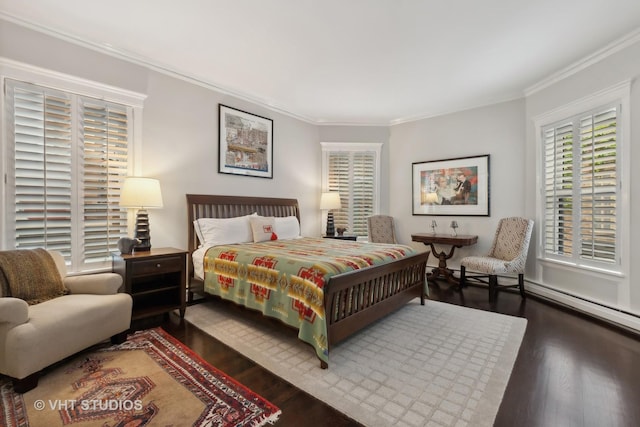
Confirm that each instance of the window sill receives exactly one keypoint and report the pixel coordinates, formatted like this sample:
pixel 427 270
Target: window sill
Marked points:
pixel 570 266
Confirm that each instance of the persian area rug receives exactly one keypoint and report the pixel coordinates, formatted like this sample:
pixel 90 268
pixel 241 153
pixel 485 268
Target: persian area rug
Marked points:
pixel 151 379
pixel 432 365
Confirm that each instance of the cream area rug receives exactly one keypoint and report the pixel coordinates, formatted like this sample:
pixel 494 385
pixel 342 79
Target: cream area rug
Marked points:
pixel 432 365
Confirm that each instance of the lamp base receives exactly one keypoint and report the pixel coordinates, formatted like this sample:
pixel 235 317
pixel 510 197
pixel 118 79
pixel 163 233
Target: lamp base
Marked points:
pixel 143 232
pixel 331 231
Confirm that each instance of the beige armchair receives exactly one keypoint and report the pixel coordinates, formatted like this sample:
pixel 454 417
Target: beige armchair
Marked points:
pixel 33 337
pixel 508 256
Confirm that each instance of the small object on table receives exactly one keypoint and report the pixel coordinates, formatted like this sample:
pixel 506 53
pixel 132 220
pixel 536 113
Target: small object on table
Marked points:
pixel 126 245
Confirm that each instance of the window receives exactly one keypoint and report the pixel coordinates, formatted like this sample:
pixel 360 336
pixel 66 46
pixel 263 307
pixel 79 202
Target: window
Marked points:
pixel 67 155
pixel 352 169
pixel 583 214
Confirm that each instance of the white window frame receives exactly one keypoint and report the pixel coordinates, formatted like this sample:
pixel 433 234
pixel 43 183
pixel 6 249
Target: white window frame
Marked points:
pixel 376 147
pixel 616 95
pixel 10 69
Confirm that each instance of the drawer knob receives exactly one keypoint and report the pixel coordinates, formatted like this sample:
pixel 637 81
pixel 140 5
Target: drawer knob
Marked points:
pixel 158 265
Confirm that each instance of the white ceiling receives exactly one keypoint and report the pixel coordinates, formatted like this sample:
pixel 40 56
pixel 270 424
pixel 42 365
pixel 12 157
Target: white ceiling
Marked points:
pixel 346 61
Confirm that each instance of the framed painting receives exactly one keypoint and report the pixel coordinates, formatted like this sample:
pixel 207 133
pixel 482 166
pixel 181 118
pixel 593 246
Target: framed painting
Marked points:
pixel 245 143
pixel 452 186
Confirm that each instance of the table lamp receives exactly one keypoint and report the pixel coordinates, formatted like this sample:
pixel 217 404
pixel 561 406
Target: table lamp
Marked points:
pixel 454 225
pixel 329 201
pixel 141 193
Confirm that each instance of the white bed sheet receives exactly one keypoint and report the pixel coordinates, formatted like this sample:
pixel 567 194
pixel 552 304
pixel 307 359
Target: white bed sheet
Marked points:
pixel 198 261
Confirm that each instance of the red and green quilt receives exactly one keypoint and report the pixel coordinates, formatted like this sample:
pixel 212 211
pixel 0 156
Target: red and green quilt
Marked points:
pixel 285 279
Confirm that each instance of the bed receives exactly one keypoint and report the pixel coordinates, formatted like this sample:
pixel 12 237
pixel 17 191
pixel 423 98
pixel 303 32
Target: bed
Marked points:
pixel 345 303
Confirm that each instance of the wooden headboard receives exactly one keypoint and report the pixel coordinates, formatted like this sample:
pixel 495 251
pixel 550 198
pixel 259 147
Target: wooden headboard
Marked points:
pixel 208 206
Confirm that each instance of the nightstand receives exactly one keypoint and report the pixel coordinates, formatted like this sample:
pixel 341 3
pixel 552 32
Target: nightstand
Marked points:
pixel 155 279
pixel 343 237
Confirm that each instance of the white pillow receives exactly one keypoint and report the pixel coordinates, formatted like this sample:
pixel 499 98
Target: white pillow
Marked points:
pixel 224 231
pixel 263 228
pixel 287 227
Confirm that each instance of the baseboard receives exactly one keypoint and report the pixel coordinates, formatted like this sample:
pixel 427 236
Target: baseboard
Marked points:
pixel 626 321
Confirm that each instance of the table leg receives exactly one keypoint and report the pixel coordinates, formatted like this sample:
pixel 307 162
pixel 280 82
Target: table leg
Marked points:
pixel 441 270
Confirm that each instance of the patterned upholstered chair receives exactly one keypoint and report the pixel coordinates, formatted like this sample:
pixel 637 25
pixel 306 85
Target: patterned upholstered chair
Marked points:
pixel 507 256
pixel 381 229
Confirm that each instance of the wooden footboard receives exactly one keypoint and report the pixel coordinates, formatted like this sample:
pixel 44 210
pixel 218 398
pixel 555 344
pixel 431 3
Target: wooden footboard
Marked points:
pixel 355 299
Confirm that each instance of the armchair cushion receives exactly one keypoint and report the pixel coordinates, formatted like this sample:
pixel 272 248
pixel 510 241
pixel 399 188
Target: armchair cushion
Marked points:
pixel 488 265
pixel 98 284
pixel 31 275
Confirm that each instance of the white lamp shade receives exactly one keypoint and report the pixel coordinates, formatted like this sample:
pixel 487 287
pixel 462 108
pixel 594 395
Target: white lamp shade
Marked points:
pixel 330 200
pixel 138 192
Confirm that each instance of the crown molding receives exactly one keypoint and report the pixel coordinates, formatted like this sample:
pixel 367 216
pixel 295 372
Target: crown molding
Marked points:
pixel 125 55
pixel 107 49
pixel 612 48
pixel 110 50
pixel 454 111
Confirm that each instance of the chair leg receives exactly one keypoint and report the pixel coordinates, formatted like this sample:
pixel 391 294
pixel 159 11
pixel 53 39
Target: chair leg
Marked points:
pixel 463 278
pixel 27 383
pixel 493 287
pixel 521 285
pixel 119 338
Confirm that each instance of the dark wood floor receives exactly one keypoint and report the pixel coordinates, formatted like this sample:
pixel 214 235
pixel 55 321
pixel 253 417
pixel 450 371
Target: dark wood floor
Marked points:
pixel 570 371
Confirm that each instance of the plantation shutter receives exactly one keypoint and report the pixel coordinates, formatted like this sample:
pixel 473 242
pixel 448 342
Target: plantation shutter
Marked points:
pixel 581 185
pixel 558 230
pixel 340 181
pixel 105 153
pixel 70 156
pixel 352 174
pixel 598 186
pixel 42 174
pixel 362 190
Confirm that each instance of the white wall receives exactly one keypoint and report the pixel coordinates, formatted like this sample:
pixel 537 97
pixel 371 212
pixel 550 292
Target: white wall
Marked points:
pixel 497 130
pixel 181 149
pixel 180 134
pixel 372 134
pixel 619 292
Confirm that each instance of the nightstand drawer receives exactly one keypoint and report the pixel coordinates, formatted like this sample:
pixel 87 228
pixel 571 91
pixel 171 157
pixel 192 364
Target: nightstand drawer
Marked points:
pixel 157 266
